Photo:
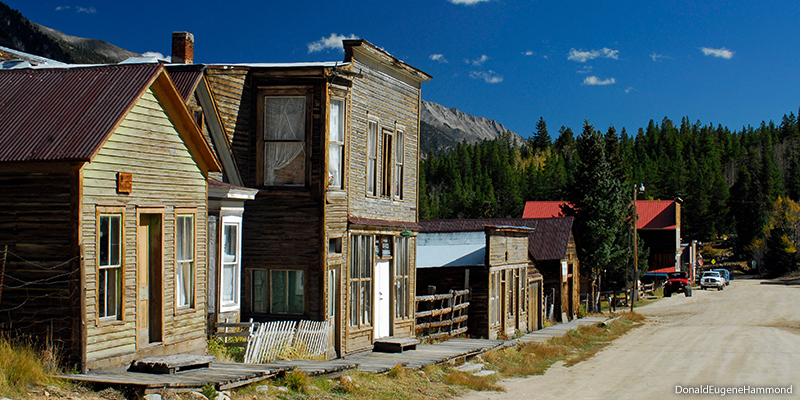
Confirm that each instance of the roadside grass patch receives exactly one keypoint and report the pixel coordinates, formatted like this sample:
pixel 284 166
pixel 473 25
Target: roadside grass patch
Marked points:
pixel 23 366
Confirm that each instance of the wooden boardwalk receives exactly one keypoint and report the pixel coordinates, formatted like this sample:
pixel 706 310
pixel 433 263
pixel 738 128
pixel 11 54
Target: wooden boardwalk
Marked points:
pixel 228 375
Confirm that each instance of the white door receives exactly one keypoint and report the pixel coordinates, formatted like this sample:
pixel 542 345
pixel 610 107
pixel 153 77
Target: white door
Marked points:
pixel 382 286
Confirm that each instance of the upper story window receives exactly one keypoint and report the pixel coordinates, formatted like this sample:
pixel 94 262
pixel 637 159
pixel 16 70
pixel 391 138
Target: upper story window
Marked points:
pixel 399 160
pixel 283 126
pixel 372 159
pixel 386 163
pixel 336 145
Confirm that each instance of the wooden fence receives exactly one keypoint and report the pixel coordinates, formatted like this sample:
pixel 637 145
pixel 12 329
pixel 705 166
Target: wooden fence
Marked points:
pixel 269 341
pixel 442 315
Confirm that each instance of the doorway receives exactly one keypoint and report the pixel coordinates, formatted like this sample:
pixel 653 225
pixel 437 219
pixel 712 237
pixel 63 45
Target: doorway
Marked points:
pixel 149 286
pixel 382 299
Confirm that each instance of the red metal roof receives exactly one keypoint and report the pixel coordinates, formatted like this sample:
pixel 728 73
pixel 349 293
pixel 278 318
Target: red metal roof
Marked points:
pixel 65 113
pixel 657 214
pixel 548 241
pixel 543 209
pixel 185 77
pixel 653 214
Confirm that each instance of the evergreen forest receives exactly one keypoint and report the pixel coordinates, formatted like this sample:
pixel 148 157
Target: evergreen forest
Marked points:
pixel 741 185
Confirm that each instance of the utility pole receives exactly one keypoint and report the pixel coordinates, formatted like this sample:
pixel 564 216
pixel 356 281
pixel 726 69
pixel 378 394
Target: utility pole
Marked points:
pixel 635 274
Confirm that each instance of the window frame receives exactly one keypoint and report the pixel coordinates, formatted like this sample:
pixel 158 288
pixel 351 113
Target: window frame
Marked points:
pixel 192 297
pixel 287 296
pixel 261 157
pixel 103 212
pixel 399 164
pixel 342 118
pixel 372 159
pixel 402 277
pixel 360 281
pixel 235 303
pixel 386 162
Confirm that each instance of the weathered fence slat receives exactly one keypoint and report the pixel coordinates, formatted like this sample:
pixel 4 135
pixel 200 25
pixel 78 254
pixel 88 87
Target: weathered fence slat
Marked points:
pixel 268 341
pixel 441 315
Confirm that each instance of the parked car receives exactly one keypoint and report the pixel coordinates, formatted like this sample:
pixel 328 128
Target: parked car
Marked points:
pixel 677 282
pixel 725 274
pixel 712 279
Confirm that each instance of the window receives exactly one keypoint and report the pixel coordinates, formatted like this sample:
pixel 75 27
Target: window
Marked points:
pixel 286 292
pixel 109 279
pixel 335 246
pixel 260 291
pixel 398 169
pixel 231 263
pixel 372 159
pixel 494 298
pixel 184 254
pixel 386 164
pixel 284 140
pixel 401 278
pixel 361 264
pixel 336 145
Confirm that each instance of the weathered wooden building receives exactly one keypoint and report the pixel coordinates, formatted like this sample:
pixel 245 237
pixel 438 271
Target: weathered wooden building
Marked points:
pixel 490 257
pixel 103 181
pixel 333 149
pixel 553 252
pixel 226 195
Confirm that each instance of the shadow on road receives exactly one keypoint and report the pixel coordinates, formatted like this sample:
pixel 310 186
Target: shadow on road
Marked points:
pixel 793 281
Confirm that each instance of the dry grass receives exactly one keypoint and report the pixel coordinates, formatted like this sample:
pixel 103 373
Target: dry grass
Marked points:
pixel 22 367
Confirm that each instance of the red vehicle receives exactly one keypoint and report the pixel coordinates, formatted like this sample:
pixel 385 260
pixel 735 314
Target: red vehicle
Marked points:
pixel 677 282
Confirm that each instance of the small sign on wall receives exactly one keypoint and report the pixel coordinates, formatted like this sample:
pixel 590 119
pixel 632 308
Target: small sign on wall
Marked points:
pixel 124 182
pixel 564 271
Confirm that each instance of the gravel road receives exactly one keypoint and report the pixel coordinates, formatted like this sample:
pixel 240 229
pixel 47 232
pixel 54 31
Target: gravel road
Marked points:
pixel 747 334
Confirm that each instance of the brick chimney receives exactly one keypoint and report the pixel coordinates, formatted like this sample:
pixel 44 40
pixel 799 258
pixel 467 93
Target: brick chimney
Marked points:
pixel 182 48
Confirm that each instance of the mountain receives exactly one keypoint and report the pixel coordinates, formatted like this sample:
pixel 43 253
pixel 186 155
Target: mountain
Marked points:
pixel 442 128
pixel 21 34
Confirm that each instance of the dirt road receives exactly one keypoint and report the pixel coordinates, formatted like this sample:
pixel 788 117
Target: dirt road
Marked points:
pixel 747 334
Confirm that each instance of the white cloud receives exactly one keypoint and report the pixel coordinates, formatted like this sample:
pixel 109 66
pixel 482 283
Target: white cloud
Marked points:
pixel 586 69
pixel 467 2
pixel 332 42
pixel 595 81
pixel 656 56
pixel 583 55
pixel 721 53
pixel 88 10
pixel 488 77
pixel 438 58
pixel 62 8
pixel 479 61
pixel 528 53
pixel 153 54
pixel 629 89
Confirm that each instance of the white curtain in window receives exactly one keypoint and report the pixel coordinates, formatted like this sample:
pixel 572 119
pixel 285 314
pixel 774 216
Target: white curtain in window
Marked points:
pixel 285 120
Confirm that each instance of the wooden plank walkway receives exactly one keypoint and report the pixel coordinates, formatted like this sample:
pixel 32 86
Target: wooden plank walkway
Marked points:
pixel 228 375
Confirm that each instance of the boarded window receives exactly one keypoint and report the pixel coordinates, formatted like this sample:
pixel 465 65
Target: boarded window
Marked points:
pixel 109 301
pixel 361 265
pixel 184 254
pixel 284 141
pixel 336 145
pixel 286 292
pixel 372 159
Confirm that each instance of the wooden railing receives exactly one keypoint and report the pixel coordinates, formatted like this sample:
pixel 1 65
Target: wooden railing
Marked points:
pixel 442 315
pixel 267 341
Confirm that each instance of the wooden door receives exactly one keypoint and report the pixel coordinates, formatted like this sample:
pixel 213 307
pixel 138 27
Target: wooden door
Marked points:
pixel 149 280
pixel 334 307
pixel 533 307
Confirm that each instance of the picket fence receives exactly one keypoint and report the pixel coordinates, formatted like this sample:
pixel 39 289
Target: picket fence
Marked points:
pixel 269 341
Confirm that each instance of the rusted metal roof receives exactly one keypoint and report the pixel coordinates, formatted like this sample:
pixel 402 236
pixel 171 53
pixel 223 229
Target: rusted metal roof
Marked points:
pixel 185 77
pixel 471 225
pixel 382 223
pixel 66 113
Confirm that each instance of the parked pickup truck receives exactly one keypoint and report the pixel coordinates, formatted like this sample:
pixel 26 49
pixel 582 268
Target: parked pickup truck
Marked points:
pixel 725 274
pixel 677 282
pixel 712 279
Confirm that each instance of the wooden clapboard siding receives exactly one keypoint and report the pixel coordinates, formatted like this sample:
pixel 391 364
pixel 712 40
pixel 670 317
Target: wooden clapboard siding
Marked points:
pixel 35 223
pixel 394 104
pixel 165 175
pixel 231 90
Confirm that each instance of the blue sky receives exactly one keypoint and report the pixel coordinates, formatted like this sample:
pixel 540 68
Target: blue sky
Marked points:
pixel 618 63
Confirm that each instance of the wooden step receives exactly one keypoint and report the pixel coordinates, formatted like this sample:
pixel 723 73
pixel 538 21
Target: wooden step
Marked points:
pixel 171 364
pixel 394 345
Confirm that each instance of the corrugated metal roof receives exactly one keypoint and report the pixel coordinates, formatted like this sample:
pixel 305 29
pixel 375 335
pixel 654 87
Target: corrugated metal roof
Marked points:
pixel 451 249
pixel 65 114
pixel 185 77
pixel 656 214
pixel 542 209
pixel 548 241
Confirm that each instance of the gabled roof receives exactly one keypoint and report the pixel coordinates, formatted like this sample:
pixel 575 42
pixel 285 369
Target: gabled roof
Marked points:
pixel 549 239
pixel 185 77
pixel 66 114
pixel 361 46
